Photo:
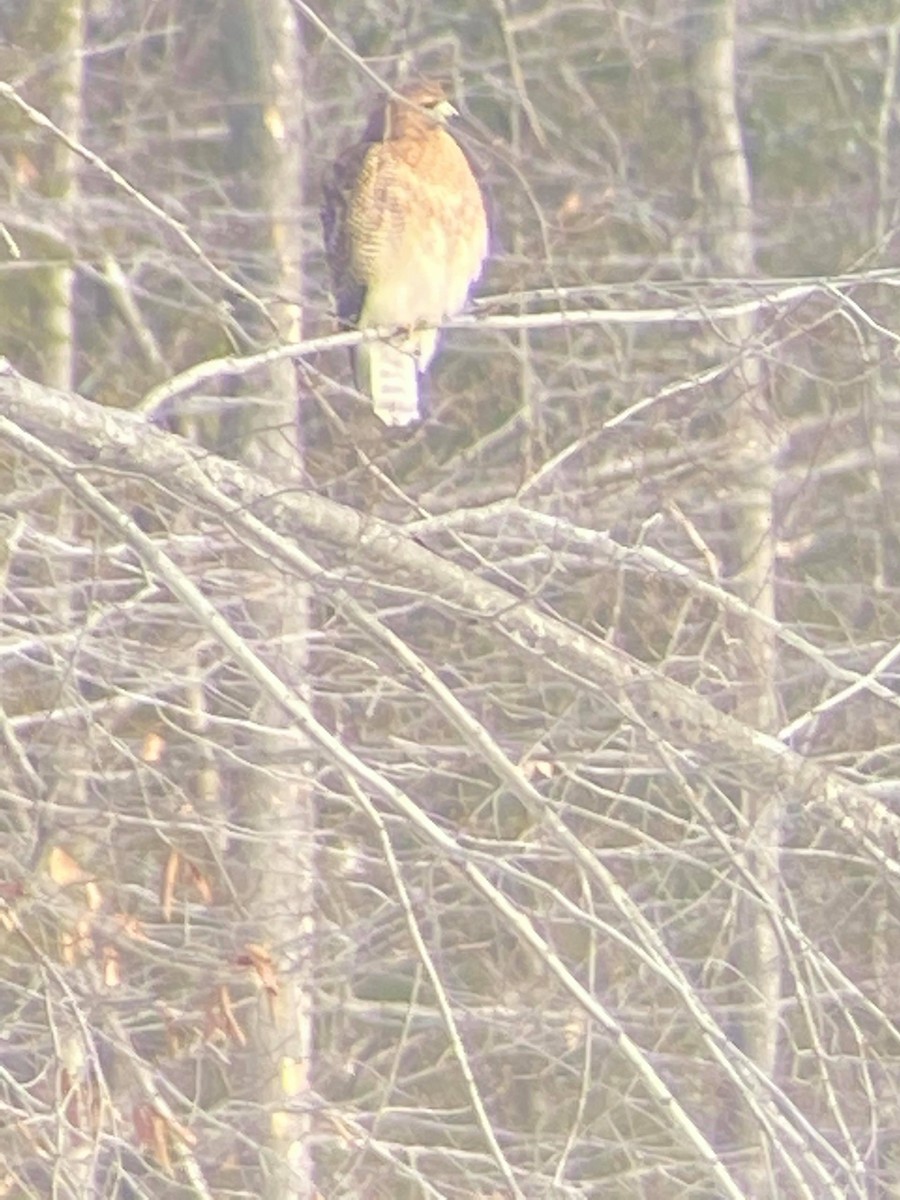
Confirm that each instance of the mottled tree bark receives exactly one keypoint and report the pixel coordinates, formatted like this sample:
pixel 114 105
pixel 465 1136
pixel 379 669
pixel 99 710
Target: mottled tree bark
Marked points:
pixel 261 62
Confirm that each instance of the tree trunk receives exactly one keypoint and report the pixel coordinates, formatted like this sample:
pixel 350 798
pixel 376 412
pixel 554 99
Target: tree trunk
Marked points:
pixel 726 215
pixel 261 61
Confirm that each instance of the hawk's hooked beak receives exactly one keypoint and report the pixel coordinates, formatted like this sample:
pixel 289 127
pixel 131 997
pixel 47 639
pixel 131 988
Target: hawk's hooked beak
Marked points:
pixel 444 110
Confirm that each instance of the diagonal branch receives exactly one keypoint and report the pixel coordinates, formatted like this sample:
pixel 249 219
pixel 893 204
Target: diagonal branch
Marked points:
pixel 700 734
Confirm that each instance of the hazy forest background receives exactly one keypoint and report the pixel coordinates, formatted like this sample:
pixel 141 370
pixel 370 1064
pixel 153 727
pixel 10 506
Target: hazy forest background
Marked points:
pixel 501 807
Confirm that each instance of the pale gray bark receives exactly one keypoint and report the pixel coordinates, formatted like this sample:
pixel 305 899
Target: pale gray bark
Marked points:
pixel 262 55
pixel 726 206
pixel 58 32
pixel 64 23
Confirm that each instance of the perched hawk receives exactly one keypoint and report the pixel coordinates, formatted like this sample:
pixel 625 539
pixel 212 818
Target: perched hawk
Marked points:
pixel 406 237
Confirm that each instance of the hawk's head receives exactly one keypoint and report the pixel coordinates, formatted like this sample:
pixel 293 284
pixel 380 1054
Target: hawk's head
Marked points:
pixel 415 108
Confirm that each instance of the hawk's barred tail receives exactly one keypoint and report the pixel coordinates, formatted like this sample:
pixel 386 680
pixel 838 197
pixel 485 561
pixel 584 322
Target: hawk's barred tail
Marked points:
pixel 389 374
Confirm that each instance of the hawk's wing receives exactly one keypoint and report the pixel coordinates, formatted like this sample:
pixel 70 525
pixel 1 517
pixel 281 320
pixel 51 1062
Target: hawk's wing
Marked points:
pixel 338 196
pixel 387 372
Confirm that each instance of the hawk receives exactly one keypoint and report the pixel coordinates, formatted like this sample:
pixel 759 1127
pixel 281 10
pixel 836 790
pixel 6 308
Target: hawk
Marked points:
pixel 406 237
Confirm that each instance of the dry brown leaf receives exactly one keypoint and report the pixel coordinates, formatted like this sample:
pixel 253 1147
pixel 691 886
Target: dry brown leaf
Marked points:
pixel 78 943
pixel 153 1132
pixel 259 958
pixel 201 883
pixel 159 1142
pixel 25 170
pixel 167 888
pixel 64 870
pixel 180 1131
pixel 131 926
pixel 112 975
pixel 230 1021
pixel 153 747
pixel 67 952
pixel 544 768
pixel 93 895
